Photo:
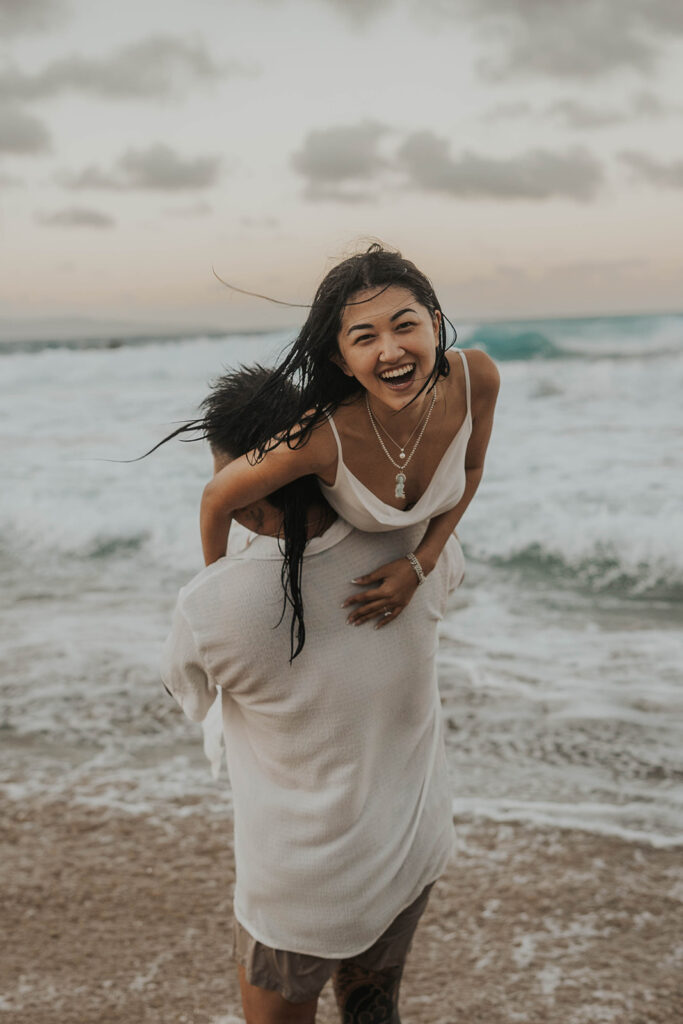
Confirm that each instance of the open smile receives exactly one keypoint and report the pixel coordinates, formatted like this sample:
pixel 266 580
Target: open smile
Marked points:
pixel 399 375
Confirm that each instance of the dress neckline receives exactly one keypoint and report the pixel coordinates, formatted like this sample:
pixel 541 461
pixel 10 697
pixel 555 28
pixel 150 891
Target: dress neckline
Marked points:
pixel 373 497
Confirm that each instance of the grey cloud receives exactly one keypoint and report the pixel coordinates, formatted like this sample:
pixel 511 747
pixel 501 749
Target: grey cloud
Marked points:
pixel 505 111
pixel 578 115
pixel 9 180
pixel 537 174
pixel 21 132
pixel 76 216
pixel 324 193
pixel 581 39
pixel 338 163
pixel 666 15
pixel 655 172
pixel 581 115
pixel 200 209
pixel 25 16
pixel 362 11
pixel 158 167
pixel 154 68
pixel 647 104
pixel 358 12
pixel 330 157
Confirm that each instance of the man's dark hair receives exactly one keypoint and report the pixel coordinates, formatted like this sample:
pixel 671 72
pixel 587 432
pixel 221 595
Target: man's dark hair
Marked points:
pixel 237 414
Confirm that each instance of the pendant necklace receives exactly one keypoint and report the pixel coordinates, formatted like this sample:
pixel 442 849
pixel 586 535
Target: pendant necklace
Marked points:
pixel 399 490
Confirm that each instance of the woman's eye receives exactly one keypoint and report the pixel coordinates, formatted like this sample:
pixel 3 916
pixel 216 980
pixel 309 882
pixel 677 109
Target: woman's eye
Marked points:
pixel 406 323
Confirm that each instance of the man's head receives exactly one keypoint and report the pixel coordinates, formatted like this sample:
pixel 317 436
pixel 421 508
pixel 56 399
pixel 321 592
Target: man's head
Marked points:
pixel 236 412
pixel 238 408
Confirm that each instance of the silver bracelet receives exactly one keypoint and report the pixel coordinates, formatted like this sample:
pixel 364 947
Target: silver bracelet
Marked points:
pixel 418 569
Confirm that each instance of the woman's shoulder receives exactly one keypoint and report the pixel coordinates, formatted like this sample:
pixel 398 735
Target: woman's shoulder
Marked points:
pixel 322 449
pixel 483 372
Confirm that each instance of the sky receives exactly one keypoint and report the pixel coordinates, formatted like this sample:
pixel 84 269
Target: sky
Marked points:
pixel 527 155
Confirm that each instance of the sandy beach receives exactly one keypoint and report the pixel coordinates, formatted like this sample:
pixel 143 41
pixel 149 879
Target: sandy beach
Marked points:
pixel 118 919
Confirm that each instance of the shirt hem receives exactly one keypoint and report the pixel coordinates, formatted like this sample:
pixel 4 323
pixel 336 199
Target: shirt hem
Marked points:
pixel 431 876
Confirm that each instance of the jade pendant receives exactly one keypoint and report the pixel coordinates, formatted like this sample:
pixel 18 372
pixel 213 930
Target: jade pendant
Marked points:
pixel 400 485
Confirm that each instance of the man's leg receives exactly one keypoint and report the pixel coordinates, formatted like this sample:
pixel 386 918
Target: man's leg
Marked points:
pixel 367 997
pixel 366 986
pixel 263 1006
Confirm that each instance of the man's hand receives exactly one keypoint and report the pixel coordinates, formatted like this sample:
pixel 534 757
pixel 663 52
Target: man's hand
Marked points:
pixel 397 583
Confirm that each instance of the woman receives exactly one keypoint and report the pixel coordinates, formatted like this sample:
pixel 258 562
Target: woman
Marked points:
pixel 393 425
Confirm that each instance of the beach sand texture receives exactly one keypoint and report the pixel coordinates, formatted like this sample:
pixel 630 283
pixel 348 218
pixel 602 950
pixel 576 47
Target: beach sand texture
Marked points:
pixel 116 919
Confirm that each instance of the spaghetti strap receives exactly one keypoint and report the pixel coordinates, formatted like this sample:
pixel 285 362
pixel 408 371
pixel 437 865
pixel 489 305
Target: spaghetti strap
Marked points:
pixel 331 422
pixel 467 382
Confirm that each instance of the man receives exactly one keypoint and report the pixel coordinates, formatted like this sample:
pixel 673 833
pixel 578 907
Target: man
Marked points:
pixel 342 808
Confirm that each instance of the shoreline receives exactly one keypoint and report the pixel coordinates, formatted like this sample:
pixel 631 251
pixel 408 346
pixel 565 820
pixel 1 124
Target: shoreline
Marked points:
pixel 119 918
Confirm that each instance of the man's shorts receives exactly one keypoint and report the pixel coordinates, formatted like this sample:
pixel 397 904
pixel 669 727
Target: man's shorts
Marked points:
pixel 299 977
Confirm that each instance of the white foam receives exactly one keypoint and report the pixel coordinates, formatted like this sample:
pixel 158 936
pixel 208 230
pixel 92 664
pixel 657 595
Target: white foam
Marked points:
pixel 560 672
pixel 602 819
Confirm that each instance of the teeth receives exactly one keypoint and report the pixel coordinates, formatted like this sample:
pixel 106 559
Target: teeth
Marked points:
pixel 400 372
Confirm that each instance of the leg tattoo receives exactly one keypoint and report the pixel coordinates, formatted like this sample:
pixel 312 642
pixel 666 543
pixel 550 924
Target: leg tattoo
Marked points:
pixel 367 997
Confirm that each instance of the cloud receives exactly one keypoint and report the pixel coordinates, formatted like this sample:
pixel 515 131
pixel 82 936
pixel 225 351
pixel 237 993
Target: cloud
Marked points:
pixel 666 15
pixel 362 11
pixel 358 12
pixel 581 115
pixel 157 67
pixel 581 39
pixel 536 174
pixel 647 104
pixel 655 172
pixel 330 157
pixel 506 111
pixel 21 132
pixel 339 163
pixel 200 209
pixel 158 167
pixel 9 180
pixel 323 193
pixel 76 217
pixel 26 16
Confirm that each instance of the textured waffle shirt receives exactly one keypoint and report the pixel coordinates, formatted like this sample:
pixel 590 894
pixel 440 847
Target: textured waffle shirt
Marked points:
pixel 342 807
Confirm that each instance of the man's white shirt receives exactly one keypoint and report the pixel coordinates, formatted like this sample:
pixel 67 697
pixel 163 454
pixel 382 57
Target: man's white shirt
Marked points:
pixel 337 764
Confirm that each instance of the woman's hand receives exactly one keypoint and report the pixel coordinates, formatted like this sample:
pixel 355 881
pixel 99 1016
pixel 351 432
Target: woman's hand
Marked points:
pixel 397 582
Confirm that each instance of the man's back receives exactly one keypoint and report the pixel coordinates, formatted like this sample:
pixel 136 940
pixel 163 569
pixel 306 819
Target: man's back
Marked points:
pixel 342 807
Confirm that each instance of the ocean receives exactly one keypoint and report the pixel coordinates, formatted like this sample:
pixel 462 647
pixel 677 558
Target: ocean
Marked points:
pixel 561 656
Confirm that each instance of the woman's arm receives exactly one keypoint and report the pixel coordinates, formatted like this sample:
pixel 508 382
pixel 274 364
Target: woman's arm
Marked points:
pixel 398 579
pixel 242 482
pixel 485 385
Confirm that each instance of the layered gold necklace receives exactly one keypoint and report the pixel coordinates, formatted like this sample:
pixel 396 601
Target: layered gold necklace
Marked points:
pixel 399 490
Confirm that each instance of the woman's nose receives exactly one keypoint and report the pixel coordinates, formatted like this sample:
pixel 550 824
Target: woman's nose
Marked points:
pixel 390 348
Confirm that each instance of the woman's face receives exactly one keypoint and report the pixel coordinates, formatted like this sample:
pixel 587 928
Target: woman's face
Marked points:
pixel 387 341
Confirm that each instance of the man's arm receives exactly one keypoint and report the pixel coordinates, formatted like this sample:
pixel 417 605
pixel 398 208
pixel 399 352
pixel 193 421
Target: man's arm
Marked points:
pixel 183 672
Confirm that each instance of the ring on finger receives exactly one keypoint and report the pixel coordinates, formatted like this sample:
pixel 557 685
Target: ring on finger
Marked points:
pixel 387 611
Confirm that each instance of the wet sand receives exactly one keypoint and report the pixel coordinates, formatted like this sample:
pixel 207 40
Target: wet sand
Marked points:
pixel 116 919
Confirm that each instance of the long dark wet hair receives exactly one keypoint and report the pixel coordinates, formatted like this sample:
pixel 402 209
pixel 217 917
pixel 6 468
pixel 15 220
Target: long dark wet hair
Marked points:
pixel 230 432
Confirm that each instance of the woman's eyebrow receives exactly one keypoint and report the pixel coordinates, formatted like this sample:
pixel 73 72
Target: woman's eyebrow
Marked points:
pixel 368 327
